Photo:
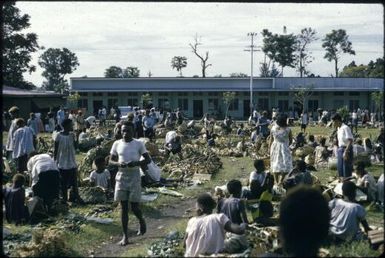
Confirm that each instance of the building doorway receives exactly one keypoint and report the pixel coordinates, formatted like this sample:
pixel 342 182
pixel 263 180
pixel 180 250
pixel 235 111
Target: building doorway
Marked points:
pixel 197 108
pixel 246 109
pixel 96 105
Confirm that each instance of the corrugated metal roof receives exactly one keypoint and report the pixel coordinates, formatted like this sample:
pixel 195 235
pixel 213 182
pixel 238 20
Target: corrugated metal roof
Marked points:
pixel 218 84
pixel 16 92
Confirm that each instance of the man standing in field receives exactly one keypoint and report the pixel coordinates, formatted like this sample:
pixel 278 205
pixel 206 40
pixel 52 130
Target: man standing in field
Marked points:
pixel 345 147
pixel 14 113
pixel 125 154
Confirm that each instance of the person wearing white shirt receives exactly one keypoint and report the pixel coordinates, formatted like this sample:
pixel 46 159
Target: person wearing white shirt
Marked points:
pixel 126 154
pixel 14 113
pixel 23 139
pixel 45 178
pixel 345 150
pixel 354 120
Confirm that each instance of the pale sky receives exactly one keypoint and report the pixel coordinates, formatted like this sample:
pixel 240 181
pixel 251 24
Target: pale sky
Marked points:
pixel 148 34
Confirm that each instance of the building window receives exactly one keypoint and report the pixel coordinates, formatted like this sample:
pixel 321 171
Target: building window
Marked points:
pixel 213 94
pixel 182 94
pixel 83 103
pixel 263 93
pixel 283 105
pixel 263 104
pixel 112 94
pixel 198 93
pixel 132 93
pixel 213 104
pixel 354 93
pixel 112 102
pixel 338 103
pixel 246 93
pixel 234 105
pixel 312 105
pixel 183 104
pixel 354 104
pixel 163 103
pixel 83 94
pixel 339 93
pixel 132 102
pixel 97 94
pixel 163 94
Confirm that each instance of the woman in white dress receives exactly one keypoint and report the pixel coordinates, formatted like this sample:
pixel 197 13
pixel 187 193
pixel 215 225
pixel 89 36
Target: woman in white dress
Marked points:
pixel 280 156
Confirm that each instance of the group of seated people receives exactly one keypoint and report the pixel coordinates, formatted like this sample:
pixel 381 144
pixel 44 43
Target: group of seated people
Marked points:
pixel 305 215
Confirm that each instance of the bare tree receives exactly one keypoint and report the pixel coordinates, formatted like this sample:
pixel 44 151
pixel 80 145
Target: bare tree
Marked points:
pixel 194 48
pixel 302 93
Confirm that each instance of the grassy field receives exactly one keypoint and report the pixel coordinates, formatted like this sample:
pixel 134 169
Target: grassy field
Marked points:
pixel 94 236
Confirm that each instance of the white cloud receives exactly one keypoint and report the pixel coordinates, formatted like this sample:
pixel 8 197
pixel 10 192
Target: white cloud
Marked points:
pixel 149 34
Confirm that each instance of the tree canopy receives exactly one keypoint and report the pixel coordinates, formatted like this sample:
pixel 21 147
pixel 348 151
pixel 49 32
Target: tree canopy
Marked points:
pixel 57 63
pixel 118 72
pixel 17 46
pixel 372 70
pixel 178 63
pixel 303 55
pixel 336 43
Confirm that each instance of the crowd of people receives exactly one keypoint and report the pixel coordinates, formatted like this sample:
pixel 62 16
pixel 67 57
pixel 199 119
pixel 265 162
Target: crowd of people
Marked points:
pixel 306 219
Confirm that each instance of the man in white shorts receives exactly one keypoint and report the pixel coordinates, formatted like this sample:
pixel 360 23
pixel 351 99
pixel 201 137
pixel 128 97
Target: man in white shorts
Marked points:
pixel 125 154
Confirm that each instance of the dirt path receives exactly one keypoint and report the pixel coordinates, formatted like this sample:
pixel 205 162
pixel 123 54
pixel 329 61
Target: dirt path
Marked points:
pixel 169 215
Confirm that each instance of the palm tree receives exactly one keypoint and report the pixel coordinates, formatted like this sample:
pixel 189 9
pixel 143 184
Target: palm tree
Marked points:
pixel 179 62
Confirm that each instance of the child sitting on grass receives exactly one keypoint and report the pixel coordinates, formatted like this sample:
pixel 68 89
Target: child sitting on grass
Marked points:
pixel 101 176
pixel 256 179
pixel 14 197
pixel 263 215
pixel 234 208
pixel 299 175
pixel 346 215
pixel 366 181
pixel 205 233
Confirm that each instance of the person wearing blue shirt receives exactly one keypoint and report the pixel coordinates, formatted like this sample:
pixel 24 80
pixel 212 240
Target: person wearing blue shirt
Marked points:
pixel 148 125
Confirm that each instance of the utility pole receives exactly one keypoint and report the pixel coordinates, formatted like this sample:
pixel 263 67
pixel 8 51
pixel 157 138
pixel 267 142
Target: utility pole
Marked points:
pixel 252 50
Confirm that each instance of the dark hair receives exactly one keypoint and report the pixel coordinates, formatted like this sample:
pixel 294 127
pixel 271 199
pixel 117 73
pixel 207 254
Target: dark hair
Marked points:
pixel 264 113
pixel 20 122
pixel 300 165
pixel 255 189
pixel 128 123
pixel 259 165
pixel 234 186
pixel 337 117
pixel 360 165
pixel 349 189
pixel 322 141
pixel 99 160
pixel 266 208
pixel 282 120
pixel 304 221
pixel 311 138
pixel 18 180
pixel 206 202
pixel 368 143
pixel 66 122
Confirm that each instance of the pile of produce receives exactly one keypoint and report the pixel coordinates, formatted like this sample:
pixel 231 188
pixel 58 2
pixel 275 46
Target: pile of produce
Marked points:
pixel 263 238
pixel 171 245
pixel 92 194
pixel 45 243
pixel 103 150
pixel 12 242
pixel 196 160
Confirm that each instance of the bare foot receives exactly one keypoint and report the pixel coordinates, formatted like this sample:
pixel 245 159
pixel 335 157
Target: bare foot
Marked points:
pixel 123 242
pixel 142 230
